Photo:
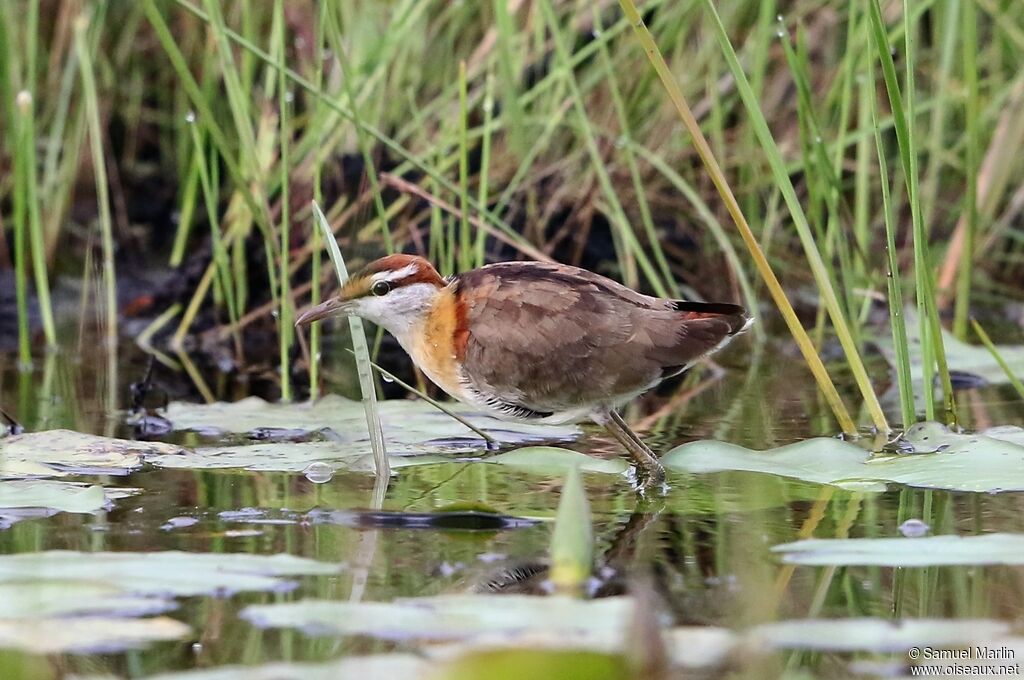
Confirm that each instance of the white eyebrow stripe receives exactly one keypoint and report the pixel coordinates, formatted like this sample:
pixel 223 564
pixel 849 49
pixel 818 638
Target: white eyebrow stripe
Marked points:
pixel 396 275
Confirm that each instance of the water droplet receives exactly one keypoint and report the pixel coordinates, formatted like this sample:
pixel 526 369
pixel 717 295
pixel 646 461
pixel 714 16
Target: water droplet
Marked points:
pixel 289 96
pixel 778 17
pixel 780 34
pixel 190 117
pixel 387 378
pixel 817 140
pixel 914 528
pixel 319 473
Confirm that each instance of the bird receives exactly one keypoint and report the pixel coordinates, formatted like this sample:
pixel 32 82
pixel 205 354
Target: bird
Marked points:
pixel 537 341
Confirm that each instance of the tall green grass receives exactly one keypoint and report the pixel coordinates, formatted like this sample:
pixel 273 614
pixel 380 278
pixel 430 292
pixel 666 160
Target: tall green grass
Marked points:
pixel 512 113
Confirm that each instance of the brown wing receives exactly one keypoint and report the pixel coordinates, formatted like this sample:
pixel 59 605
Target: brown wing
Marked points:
pixel 546 338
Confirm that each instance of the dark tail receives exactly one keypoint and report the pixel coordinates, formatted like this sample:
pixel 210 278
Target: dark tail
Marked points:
pixel 734 315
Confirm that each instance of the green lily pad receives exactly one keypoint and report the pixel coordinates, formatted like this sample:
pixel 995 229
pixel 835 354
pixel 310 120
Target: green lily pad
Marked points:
pixel 58 453
pixel 49 599
pixel 960 356
pixel 376 666
pixel 448 617
pixel 538 664
pixel 412 425
pixel 72 601
pixel 558 459
pixel 88 634
pixel 906 552
pixel 988 462
pixel 877 635
pixel 162 573
pixel 58 495
pixel 415 433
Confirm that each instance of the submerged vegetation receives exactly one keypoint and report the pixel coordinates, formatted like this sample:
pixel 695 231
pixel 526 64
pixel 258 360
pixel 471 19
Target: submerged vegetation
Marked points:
pixel 180 178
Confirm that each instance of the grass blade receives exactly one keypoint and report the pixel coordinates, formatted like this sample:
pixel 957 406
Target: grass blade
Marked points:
pixel 99 170
pixel 987 341
pixel 355 324
pixel 814 362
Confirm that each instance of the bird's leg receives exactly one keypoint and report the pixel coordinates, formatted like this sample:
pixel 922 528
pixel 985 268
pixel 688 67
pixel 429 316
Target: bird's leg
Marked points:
pixel 649 469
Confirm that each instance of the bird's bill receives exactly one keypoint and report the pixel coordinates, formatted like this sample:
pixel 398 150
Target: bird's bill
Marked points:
pixel 330 307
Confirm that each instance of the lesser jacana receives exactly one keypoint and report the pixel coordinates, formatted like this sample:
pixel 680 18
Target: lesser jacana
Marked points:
pixel 536 341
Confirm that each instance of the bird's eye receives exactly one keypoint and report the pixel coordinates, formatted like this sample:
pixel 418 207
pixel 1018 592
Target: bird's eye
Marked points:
pixel 381 288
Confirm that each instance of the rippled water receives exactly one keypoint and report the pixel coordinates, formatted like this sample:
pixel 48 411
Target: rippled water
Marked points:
pixel 705 546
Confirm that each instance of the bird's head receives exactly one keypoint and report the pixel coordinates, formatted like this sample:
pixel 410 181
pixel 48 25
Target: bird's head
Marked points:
pixel 394 292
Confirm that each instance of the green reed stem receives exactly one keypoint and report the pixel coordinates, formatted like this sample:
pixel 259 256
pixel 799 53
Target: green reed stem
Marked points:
pixel 814 362
pixel 633 253
pixel 285 327
pixel 994 351
pixel 485 166
pixel 814 259
pixel 92 113
pixel 903 117
pixel 333 32
pixel 363 364
pixel 965 272
pixel 465 231
pixel 894 281
pixel 26 165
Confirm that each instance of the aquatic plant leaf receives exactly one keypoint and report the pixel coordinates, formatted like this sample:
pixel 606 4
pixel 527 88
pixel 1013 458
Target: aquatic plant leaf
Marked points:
pixel 536 664
pixel 56 453
pixel 167 573
pixel 960 356
pixel 34 599
pixel 877 635
pixel 990 461
pixel 88 634
pixel 557 458
pixel 369 667
pixel 821 460
pixel 406 422
pixel 448 617
pixel 928 551
pixel 356 456
pixel 73 601
pixel 58 495
pixel 572 540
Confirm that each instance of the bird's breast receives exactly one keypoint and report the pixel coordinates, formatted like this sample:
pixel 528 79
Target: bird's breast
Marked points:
pixel 437 343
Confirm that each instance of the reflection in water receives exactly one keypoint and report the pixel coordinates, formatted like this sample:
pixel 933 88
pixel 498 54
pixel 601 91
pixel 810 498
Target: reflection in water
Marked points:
pixel 702 553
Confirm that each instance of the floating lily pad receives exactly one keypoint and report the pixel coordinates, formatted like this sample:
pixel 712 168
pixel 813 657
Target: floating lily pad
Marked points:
pixel 415 433
pixel 47 599
pixel 56 453
pixel 88 634
pixel 906 552
pixel 558 459
pixel 58 495
pixel 960 356
pixel 407 423
pixel 447 617
pixel 988 462
pixel 376 666
pixel 64 600
pixel 163 573
pixel 877 635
